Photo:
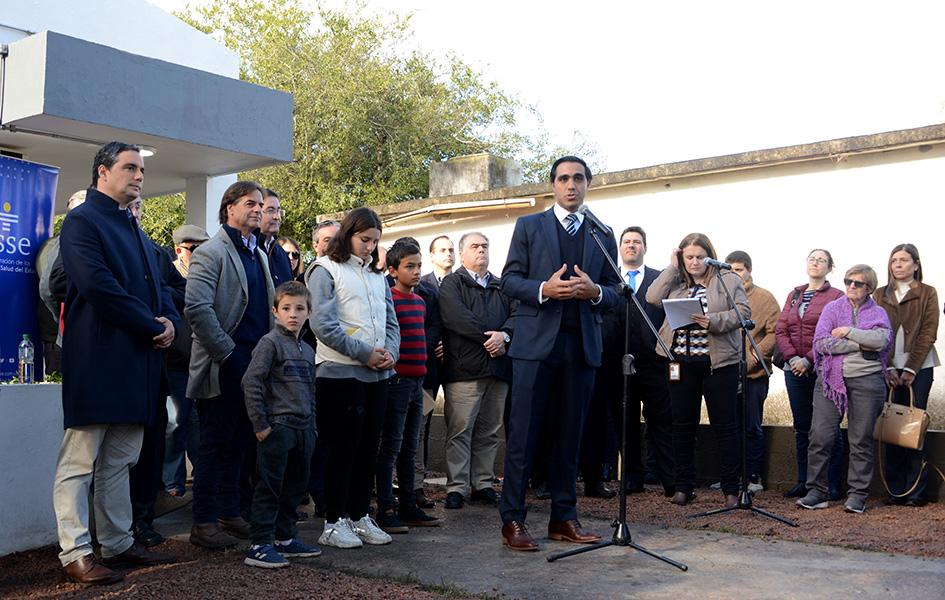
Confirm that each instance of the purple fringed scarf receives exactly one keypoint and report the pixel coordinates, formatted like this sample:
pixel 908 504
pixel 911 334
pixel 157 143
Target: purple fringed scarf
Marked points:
pixel 839 313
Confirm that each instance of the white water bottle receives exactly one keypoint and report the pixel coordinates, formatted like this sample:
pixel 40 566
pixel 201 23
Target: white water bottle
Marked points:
pixel 26 360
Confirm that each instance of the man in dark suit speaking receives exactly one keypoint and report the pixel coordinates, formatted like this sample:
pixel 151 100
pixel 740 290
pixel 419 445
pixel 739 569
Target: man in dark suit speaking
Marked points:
pixel 562 282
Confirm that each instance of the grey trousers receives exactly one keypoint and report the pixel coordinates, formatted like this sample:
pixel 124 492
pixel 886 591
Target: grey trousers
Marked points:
pixel 420 462
pixel 865 396
pixel 473 412
pixel 107 452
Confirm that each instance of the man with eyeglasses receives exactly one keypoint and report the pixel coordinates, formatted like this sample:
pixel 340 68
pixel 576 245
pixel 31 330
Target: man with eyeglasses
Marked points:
pixel 279 264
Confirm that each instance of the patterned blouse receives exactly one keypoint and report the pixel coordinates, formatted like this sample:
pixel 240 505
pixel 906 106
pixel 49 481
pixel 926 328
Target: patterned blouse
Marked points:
pixel 692 341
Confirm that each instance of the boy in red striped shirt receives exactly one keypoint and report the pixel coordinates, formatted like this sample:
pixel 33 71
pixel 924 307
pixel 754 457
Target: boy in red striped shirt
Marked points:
pixel 404 415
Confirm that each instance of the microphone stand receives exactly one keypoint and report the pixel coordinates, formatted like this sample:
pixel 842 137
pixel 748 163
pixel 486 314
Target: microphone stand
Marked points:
pixel 744 496
pixel 621 535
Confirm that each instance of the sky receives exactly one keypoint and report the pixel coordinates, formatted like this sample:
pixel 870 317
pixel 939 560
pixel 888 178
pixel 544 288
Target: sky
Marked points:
pixel 646 83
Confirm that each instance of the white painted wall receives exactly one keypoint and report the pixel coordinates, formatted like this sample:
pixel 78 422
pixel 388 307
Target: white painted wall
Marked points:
pixel 134 26
pixel 30 434
pixel 858 209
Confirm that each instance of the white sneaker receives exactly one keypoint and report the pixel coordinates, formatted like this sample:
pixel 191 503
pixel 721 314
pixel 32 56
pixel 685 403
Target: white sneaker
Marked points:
pixel 366 529
pixel 339 535
pixel 755 487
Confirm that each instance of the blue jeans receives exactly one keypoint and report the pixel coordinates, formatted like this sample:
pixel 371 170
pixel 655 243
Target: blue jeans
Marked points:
pixel 399 437
pixel 801 396
pixel 183 434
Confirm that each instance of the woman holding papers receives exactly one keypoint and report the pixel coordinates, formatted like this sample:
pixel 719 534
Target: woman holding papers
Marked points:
pixel 707 351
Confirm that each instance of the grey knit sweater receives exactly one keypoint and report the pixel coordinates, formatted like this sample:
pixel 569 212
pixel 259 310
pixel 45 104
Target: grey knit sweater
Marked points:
pixel 279 384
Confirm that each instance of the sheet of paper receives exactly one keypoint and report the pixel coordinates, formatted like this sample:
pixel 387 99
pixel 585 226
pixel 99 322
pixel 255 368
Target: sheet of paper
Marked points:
pixel 679 311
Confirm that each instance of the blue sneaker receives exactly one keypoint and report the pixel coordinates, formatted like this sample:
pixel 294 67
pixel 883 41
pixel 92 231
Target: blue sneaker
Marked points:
pixel 296 548
pixel 265 556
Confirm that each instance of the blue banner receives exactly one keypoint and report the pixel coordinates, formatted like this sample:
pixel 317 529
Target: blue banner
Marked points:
pixel 27 198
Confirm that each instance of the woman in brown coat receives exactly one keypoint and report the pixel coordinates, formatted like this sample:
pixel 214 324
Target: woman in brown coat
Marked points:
pixel 912 307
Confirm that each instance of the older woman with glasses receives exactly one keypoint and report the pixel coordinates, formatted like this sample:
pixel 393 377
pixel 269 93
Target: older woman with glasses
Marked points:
pixel 912 307
pixel 794 335
pixel 851 346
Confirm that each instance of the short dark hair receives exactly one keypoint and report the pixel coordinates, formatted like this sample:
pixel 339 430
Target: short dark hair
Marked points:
pixel 292 288
pixel 408 240
pixel 107 156
pixel 829 256
pixel 399 251
pixel 268 192
pixel 739 256
pixel 359 219
pixel 574 159
pixel 633 229
pixel 235 192
pixel 439 237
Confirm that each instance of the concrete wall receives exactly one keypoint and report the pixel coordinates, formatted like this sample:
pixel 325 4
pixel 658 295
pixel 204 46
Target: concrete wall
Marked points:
pixel 856 206
pixel 30 434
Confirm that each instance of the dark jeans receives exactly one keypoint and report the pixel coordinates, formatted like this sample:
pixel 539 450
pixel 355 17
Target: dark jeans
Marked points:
pixel 352 416
pixel 719 386
pixel 184 437
pixel 225 434
pixel 801 396
pixel 281 474
pixel 144 478
pixel 755 396
pixel 561 387
pixel 904 466
pixel 399 438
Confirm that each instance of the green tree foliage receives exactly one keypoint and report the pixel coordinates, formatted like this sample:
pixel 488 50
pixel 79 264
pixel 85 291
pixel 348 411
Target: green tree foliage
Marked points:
pixel 162 215
pixel 370 114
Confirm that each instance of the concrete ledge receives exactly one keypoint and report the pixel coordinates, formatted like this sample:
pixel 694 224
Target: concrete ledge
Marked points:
pixel 30 434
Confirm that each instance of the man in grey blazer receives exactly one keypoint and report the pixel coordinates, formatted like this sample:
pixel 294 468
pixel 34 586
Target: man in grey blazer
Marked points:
pixel 228 300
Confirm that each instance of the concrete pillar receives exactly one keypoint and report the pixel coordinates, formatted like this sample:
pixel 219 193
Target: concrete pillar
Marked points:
pixel 203 196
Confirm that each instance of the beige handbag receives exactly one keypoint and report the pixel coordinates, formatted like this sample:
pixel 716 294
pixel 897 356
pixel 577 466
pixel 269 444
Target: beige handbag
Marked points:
pixel 902 425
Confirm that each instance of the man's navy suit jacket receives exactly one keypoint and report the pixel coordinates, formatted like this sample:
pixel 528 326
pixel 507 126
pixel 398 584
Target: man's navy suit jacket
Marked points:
pixel 534 255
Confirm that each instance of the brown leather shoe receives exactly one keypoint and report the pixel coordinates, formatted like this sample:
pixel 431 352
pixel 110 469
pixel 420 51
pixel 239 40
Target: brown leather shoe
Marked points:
pixel 87 570
pixel 209 535
pixel 515 535
pixel 137 556
pixel 571 531
pixel 683 498
pixel 237 527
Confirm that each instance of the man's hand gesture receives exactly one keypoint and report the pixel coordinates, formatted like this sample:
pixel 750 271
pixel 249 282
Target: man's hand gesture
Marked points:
pixel 582 286
pixel 557 288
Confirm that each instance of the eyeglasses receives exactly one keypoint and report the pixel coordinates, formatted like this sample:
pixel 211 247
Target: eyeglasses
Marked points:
pixel 273 211
pixel 813 260
pixel 293 254
pixel 854 283
pixel 191 247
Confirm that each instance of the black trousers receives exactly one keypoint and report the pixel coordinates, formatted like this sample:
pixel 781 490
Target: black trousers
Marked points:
pixel 225 435
pixel 352 414
pixel 904 466
pixel 561 387
pixel 282 461
pixel 145 479
pixel 719 387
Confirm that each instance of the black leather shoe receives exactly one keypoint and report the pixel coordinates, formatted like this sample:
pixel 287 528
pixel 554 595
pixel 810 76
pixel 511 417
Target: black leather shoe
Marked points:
pixel 683 498
pixel 485 496
pixel 598 490
pixel 635 487
pixel 421 499
pixel 542 493
pixel 798 491
pixel 146 536
pixel 454 500
pixel 916 501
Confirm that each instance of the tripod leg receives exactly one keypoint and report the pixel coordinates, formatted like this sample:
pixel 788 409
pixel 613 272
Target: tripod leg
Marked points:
pixel 580 550
pixel 666 560
pixel 774 516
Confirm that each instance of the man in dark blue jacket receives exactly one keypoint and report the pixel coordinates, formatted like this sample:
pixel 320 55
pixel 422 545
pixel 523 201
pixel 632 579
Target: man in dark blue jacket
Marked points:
pixel 562 282
pixel 119 319
pixel 280 267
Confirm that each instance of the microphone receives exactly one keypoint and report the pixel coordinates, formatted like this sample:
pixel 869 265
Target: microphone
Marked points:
pixel 717 264
pixel 593 220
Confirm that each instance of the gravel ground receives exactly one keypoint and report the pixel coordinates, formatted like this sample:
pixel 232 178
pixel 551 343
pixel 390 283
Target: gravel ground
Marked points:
pixel 203 574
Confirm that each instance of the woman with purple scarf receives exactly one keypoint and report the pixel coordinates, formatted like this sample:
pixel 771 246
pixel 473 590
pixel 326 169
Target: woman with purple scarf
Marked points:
pixel 851 346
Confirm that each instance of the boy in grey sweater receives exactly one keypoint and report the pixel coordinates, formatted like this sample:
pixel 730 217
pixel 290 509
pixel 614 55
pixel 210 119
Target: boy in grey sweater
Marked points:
pixel 279 388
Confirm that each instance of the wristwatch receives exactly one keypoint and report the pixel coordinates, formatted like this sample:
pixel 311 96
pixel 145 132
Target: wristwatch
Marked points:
pixel 506 337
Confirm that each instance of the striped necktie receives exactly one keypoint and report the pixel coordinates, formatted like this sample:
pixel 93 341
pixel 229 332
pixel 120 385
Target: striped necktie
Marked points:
pixel 572 223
